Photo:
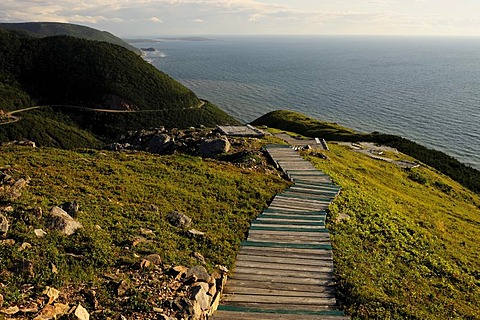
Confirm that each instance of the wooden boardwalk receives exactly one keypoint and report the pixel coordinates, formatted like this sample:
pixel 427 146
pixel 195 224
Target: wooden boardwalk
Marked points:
pixel 285 269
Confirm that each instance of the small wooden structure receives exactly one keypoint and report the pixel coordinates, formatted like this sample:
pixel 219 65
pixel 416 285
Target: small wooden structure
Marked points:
pixel 241 131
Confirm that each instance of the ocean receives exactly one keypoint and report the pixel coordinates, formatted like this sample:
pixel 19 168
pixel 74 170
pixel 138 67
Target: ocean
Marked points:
pixel 426 89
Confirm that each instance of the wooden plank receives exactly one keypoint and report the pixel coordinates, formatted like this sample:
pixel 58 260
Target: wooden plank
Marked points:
pixel 241 315
pixel 305 201
pixel 292 217
pixel 319 280
pixel 275 292
pixel 283 266
pixel 287 239
pixel 325 273
pixel 274 286
pixel 272 306
pixel 277 211
pixel 275 228
pixel 282 206
pixel 284 260
pixel 303 236
pixel 289 222
pixel 303 195
pixel 298 204
pixel 287 245
pixel 283 300
pixel 284 253
pixel 287 251
pixel 318 235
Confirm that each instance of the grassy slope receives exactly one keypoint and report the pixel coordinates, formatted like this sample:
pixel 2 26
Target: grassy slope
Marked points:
pixel 409 250
pixel 47 128
pixel 116 192
pixel 307 126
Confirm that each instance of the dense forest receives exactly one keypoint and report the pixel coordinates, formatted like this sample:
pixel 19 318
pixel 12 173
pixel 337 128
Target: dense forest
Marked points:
pixel 63 70
pixel 299 123
pixel 50 29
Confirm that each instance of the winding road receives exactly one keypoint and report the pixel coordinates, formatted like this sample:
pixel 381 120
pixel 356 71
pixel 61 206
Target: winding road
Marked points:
pixel 12 119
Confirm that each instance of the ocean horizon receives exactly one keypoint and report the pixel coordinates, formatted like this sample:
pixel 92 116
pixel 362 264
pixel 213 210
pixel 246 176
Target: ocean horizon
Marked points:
pixel 425 89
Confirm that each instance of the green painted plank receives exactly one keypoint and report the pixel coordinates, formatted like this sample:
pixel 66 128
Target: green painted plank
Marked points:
pixel 292 217
pixel 280 311
pixel 321 192
pixel 309 213
pixel 289 223
pixel 317 184
pixel 266 228
pixel 285 194
pixel 287 245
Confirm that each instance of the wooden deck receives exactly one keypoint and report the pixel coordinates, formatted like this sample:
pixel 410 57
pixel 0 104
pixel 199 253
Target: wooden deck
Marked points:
pixel 285 269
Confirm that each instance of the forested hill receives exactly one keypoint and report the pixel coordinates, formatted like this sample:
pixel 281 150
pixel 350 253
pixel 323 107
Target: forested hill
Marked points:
pixel 67 70
pixel 64 70
pixel 49 29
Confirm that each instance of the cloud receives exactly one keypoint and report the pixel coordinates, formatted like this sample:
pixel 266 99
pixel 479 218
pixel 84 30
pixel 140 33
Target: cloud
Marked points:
pixel 243 16
pixel 155 20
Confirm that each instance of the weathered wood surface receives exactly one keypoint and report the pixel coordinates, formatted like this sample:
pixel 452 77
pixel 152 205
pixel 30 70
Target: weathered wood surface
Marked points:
pixel 285 267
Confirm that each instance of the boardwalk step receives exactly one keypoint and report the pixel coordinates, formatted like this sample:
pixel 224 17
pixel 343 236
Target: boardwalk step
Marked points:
pixel 274 228
pixel 286 245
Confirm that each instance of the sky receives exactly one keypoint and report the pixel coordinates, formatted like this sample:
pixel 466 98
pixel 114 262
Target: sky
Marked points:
pixel 128 18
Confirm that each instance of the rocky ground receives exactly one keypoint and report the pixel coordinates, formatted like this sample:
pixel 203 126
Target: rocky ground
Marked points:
pixel 153 290
pixel 207 143
pixel 146 289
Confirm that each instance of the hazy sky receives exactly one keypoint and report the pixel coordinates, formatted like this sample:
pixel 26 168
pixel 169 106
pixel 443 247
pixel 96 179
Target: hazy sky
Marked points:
pixel 235 17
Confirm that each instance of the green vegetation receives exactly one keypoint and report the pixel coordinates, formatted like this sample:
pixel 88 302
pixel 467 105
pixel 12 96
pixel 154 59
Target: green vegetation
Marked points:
pixel 48 128
pixel 405 243
pixel 50 29
pixel 120 195
pixel 69 71
pixel 299 123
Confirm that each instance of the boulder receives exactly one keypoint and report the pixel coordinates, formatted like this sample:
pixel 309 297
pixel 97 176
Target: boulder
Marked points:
pixel 4 226
pixel 179 219
pixel 71 208
pixel 61 221
pixel 198 273
pixel 158 143
pixel 213 147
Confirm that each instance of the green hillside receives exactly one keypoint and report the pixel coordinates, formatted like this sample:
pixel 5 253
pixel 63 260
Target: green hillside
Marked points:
pixel 405 242
pixel 310 127
pixel 50 29
pixel 69 71
pixel 122 197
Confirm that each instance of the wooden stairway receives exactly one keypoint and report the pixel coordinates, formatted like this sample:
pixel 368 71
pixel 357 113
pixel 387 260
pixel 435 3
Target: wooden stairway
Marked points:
pixel 285 269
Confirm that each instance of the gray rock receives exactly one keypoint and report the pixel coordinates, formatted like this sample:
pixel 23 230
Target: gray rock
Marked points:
pixel 179 219
pixel 196 233
pixel 199 294
pixel 200 258
pixel 158 143
pixel 212 147
pixel 81 313
pixel 4 226
pixel 61 221
pixel 198 273
pixel 71 208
